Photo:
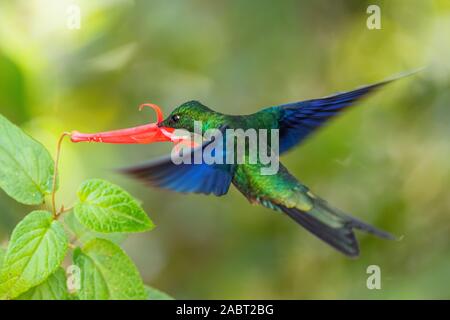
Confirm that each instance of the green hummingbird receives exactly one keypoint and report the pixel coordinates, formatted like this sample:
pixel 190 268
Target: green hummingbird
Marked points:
pixel 281 191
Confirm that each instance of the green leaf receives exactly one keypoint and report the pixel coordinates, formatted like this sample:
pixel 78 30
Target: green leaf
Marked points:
pixel 37 247
pixel 105 207
pixel 54 288
pixel 84 235
pixel 73 297
pixel 107 273
pixel 155 294
pixel 2 256
pixel 26 167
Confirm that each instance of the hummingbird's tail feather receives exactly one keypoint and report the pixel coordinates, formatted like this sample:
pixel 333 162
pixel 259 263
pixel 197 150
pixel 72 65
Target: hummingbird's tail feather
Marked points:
pixel 333 226
pixel 342 239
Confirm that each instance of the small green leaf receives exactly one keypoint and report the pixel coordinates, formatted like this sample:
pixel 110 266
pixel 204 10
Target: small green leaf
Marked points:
pixel 73 297
pixel 84 235
pixel 2 257
pixel 37 247
pixel 107 273
pixel 26 167
pixel 105 207
pixel 155 294
pixel 54 288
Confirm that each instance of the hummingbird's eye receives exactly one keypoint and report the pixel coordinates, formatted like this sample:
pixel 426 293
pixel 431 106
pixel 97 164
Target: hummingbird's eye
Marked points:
pixel 175 118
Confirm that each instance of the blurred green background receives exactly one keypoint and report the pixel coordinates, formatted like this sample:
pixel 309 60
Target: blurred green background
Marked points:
pixel 386 161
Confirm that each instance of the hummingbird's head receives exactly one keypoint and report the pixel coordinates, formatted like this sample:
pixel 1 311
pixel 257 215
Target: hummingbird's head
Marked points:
pixel 184 116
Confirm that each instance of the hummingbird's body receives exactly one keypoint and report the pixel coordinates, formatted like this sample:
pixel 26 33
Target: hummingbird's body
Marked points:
pixel 281 191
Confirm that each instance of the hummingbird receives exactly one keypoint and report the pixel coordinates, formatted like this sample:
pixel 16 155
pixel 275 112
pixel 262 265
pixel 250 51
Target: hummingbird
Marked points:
pixel 281 192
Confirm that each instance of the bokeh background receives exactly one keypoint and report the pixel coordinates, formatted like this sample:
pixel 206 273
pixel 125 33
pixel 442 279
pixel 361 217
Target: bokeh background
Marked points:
pixel 386 161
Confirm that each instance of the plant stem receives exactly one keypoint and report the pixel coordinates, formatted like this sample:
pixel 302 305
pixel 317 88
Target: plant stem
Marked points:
pixel 55 172
pixel 63 210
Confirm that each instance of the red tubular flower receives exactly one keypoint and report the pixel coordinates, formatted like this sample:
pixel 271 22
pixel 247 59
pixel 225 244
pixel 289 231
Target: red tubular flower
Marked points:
pixel 147 133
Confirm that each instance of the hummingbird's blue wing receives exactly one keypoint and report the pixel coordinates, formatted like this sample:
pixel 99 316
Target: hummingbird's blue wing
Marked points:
pixel 187 176
pixel 299 119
